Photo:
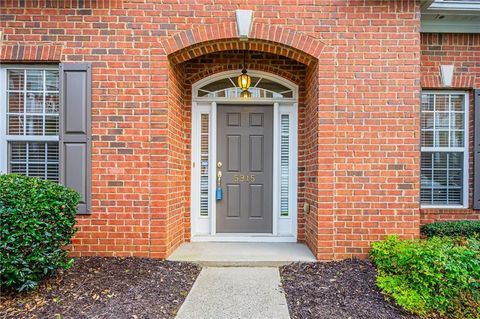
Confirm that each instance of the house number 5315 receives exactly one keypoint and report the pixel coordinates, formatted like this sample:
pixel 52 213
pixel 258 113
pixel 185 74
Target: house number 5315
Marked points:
pixel 244 178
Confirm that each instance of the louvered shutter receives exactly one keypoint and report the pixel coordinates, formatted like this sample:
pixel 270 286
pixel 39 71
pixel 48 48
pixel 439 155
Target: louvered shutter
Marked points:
pixel 75 130
pixel 476 178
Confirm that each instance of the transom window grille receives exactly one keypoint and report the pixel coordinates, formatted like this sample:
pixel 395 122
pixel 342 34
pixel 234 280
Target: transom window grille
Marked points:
pixel 261 88
pixel 444 125
pixel 32 122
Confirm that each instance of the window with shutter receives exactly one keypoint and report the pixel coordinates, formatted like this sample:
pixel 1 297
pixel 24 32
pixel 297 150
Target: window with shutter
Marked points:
pixel 29 132
pixel 444 146
pixel 45 124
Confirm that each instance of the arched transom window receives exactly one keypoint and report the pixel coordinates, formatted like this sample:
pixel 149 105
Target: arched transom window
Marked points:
pixel 262 87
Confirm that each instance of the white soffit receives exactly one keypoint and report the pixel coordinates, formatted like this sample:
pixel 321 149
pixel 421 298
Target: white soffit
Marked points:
pixel 244 23
pixel 450 16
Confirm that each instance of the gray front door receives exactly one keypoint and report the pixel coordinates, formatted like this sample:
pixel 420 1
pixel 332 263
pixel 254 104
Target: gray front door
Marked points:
pixel 245 149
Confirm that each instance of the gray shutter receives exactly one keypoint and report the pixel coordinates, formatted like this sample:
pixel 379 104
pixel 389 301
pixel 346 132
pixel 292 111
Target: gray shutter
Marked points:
pixel 476 152
pixel 75 130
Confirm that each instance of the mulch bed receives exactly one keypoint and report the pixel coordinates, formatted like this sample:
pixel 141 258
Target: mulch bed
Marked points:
pixel 99 287
pixel 344 289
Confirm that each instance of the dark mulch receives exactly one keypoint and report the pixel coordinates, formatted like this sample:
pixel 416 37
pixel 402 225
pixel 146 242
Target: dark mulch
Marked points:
pixel 335 290
pixel 106 288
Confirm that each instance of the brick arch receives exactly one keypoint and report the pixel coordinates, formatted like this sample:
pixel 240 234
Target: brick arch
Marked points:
pixel 189 44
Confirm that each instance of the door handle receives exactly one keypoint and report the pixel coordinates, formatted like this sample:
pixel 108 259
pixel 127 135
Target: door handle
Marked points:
pixel 219 178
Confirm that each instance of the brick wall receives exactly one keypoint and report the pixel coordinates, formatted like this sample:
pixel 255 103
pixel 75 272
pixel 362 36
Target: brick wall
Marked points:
pixel 463 51
pixel 376 167
pixel 359 130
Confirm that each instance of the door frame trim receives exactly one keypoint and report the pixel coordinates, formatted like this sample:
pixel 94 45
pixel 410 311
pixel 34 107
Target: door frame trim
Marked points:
pixel 284 229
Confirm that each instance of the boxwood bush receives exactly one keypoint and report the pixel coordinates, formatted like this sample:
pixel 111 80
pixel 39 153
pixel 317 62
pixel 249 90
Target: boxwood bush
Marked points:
pixel 37 221
pixel 461 228
pixel 431 277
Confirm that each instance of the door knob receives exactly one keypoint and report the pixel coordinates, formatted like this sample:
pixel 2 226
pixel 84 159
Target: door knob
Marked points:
pixel 219 164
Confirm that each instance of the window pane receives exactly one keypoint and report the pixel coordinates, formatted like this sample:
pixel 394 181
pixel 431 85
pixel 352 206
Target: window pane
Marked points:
pixel 218 85
pixel 442 120
pixel 441 139
pixel 441 103
pixel 34 102
pixel 16 80
pixel 34 125
pixel 34 80
pixel 442 178
pixel 18 152
pixel 457 101
pixel 37 159
pixel 51 80
pixel 36 152
pixel 52 103
pixel 271 86
pixel 15 102
pixel 427 120
pixel 427 138
pixel 427 102
pixel 15 124
pixel 52 152
pixel 51 125
pixel 456 139
pixel 457 121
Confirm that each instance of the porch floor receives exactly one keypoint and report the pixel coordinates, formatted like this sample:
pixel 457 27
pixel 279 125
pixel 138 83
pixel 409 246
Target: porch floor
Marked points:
pixel 242 254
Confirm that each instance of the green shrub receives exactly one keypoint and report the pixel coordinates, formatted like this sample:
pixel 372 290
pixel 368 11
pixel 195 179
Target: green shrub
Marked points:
pixel 37 221
pixel 437 276
pixel 461 228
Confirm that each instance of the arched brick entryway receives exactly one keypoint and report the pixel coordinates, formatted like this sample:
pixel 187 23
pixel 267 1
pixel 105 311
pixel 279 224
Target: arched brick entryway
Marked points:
pixel 311 67
pixel 192 43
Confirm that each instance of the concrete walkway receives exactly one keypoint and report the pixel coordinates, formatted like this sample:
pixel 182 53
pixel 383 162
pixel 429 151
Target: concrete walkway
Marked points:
pixel 236 292
pixel 242 254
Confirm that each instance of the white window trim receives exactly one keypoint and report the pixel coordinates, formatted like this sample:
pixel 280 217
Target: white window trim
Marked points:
pixel 4 138
pixel 465 150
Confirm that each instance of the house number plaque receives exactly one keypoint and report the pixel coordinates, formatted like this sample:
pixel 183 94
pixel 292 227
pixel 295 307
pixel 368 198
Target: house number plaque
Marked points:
pixel 244 178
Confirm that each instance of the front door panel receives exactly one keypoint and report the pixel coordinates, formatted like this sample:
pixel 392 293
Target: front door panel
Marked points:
pixel 245 149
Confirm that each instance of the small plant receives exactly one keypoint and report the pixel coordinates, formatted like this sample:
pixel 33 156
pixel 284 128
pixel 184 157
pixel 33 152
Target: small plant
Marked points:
pixel 461 228
pixel 37 221
pixel 437 276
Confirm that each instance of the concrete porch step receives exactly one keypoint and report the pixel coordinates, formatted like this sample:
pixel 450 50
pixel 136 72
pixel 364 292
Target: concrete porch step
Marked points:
pixel 223 254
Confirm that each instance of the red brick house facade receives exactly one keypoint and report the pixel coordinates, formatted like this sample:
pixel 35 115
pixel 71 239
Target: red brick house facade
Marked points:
pixel 364 81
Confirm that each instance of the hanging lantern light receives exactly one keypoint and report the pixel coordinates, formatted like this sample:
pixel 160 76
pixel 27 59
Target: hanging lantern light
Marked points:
pixel 244 80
